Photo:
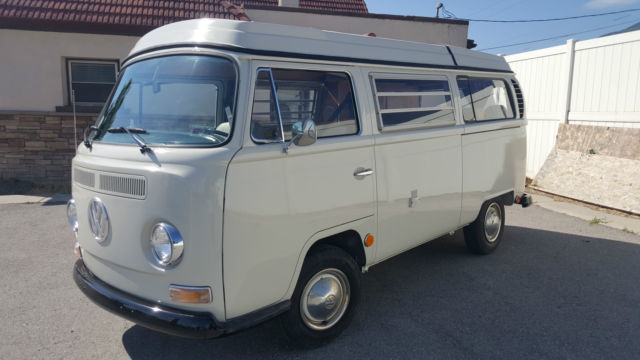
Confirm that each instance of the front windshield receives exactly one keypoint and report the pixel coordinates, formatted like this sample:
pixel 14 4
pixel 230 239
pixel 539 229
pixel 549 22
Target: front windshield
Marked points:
pixel 183 100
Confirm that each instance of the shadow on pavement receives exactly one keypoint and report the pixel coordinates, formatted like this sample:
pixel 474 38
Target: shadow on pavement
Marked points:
pixel 540 295
pixel 57 199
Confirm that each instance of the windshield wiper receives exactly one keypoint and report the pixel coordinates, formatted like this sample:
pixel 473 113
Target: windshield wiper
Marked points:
pixel 133 131
pixel 88 143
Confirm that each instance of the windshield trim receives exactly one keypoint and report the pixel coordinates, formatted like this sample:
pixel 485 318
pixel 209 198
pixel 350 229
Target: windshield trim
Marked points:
pixel 194 51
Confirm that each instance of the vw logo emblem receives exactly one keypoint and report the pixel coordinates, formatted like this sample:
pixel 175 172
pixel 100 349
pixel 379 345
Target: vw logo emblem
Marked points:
pixel 98 220
pixel 330 302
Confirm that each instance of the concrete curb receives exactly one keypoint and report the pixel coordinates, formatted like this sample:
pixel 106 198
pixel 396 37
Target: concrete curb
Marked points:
pixel 627 224
pixel 35 199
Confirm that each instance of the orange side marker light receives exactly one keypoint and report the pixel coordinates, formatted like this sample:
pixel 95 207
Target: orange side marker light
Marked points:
pixel 368 240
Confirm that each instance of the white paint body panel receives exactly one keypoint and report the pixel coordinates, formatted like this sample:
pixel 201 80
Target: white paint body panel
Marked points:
pixel 249 212
pixel 493 164
pixel 276 202
pixel 422 167
pixel 186 190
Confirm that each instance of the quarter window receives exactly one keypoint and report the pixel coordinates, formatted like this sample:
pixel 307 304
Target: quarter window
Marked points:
pixel 484 99
pixel 324 97
pixel 424 102
pixel 91 81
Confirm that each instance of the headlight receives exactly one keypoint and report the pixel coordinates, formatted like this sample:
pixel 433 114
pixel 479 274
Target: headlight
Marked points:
pixel 72 215
pixel 166 244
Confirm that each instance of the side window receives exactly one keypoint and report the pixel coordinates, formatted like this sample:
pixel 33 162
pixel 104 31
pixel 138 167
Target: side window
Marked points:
pixel 485 99
pixel 321 96
pixel 414 102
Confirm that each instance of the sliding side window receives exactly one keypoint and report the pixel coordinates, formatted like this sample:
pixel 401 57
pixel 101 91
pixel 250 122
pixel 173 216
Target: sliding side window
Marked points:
pixel 485 99
pixel 414 102
pixel 321 96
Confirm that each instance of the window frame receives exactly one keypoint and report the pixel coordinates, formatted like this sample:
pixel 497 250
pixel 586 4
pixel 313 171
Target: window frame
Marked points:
pixel 507 87
pixel 69 61
pixel 373 76
pixel 269 67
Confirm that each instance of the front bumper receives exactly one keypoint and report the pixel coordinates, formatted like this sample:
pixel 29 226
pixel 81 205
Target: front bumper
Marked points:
pixel 163 318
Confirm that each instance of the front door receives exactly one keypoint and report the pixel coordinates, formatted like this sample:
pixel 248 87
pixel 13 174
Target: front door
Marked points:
pixel 276 201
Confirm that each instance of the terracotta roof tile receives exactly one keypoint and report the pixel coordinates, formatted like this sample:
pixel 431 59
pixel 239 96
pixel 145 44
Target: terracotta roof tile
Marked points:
pixel 356 6
pixel 113 12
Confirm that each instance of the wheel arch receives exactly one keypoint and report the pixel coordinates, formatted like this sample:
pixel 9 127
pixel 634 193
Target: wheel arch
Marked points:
pixel 507 198
pixel 349 241
pixel 347 237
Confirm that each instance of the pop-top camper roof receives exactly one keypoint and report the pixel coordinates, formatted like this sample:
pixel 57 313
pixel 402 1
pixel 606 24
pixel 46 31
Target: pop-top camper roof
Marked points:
pixel 301 42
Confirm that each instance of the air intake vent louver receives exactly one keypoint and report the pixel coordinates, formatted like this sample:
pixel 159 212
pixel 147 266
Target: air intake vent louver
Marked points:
pixel 129 185
pixel 84 177
pixel 519 97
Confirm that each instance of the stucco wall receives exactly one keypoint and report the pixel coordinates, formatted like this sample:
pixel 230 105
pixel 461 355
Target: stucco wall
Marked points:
pixel 427 32
pixel 32 64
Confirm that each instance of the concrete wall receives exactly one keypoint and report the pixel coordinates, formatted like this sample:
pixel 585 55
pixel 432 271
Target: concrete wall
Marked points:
pixel 592 82
pixel 427 32
pixel 596 164
pixel 32 65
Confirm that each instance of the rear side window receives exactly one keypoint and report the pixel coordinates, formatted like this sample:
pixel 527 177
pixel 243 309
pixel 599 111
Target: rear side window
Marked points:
pixel 414 102
pixel 324 97
pixel 485 99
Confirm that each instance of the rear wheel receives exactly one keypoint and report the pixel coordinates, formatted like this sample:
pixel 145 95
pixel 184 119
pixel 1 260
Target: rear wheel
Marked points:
pixel 485 233
pixel 323 302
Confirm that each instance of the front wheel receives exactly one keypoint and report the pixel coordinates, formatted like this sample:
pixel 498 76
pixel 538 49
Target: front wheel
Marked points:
pixel 485 233
pixel 323 302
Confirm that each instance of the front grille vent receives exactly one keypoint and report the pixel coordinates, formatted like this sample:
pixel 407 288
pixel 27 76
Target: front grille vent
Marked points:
pixel 84 177
pixel 519 97
pixel 129 185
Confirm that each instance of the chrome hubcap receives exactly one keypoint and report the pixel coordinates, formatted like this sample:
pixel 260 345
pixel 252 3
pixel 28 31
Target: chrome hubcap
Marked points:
pixel 492 222
pixel 325 299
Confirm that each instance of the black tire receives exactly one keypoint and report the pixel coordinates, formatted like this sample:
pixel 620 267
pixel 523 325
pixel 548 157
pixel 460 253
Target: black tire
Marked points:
pixel 480 238
pixel 322 262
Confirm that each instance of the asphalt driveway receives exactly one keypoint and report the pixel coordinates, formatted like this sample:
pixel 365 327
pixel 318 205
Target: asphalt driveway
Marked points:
pixel 557 287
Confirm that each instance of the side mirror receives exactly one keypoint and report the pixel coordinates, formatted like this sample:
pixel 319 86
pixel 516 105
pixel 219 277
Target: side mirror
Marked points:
pixel 303 133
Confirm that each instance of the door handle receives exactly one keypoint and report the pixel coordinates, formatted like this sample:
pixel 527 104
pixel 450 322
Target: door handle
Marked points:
pixel 362 172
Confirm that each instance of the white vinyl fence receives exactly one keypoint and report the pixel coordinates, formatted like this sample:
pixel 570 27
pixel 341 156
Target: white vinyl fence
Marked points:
pixel 593 82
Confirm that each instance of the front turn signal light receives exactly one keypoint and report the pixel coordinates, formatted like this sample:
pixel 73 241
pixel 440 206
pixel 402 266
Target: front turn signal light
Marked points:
pixel 190 294
pixel 77 250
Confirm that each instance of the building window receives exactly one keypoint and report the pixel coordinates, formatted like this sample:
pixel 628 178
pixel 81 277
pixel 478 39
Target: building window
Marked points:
pixel 322 96
pixel 485 99
pixel 91 80
pixel 414 102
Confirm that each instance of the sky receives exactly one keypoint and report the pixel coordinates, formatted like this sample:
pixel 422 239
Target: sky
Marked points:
pixel 488 36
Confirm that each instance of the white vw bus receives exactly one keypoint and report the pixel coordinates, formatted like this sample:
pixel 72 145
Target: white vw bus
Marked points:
pixel 241 171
